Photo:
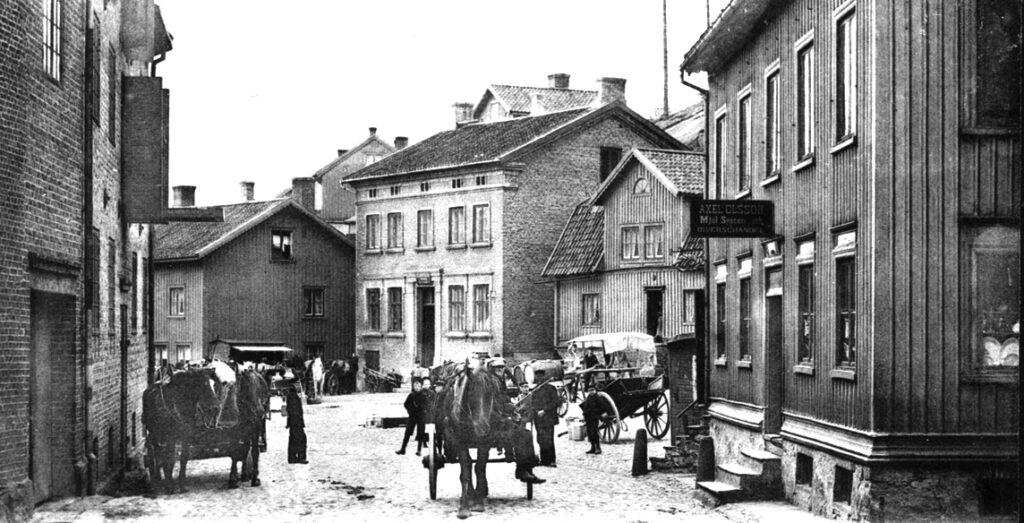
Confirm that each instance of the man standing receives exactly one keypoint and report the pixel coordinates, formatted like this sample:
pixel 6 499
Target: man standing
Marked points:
pixel 590 361
pixel 593 408
pixel 296 426
pixel 415 408
pixel 546 402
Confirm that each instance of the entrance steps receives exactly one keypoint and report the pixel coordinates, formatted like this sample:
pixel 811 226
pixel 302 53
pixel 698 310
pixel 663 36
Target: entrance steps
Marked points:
pixel 756 477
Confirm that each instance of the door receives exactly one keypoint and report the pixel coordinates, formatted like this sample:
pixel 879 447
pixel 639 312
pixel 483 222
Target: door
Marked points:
pixel 654 311
pixel 426 326
pixel 774 365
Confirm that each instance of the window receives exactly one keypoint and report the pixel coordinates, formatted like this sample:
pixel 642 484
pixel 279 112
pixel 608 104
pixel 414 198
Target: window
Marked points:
pixel 481 308
pixel 111 284
pixel 481 180
pixel 804 469
pixel 176 303
pixel 641 187
pixel 846 312
pixel 456 308
pixel 457 225
pixel 771 125
pixel 456 183
pixel 93 272
pixel 424 186
pixel 805 328
pixel 631 243
pixel 280 245
pixel 846 73
pixel 372 158
pixel 495 111
pixel 372 232
pixel 396 190
pixel 842 489
pixel 745 314
pixel 689 307
pixel 53 15
pixel 371 193
pixel 993 262
pixel 183 352
pixel 93 43
pixel 425 228
pixel 720 316
pixel 163 353
pixel 653 241
pixel 743 143
pixel 481 223
pixel 313 302
pixel 395 232
pixel 610 157
pixel 112 89
pixel 993 59
pixel 395 309
pixel 145 299
pixel 721 141
pixel 805 98
pixel 136 280
pixel 591 309
pixel 373 309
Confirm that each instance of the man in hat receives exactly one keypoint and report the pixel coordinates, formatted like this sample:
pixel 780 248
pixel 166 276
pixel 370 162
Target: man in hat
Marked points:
pixel 593 408
pixel 545 418
pixel 296 425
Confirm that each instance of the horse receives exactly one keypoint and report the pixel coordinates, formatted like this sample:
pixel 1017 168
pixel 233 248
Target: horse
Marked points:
pixel 316 369
pixel 201 408
pixel 473 411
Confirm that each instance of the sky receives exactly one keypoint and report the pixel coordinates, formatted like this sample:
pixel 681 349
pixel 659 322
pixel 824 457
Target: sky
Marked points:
pixel 268 91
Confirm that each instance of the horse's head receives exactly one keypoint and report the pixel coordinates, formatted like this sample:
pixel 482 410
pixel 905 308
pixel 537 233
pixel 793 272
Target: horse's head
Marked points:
pixel 196 390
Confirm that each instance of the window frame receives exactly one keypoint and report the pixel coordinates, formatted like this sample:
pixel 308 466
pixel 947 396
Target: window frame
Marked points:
pixel 845 261
pixel 743 141
pixel 174 311
pixel 373 312
pixel 721 149
pixel 481 308
pixel 310 293
pixel 773 127
pixel 372 234
pixel 282 253
pixel 112 90
pixel 395 231
pixel 425 229
pixel 971 121
pixel 721 318
pixel 971 231
pixel 457 224
pixel 456 308
pixel 745 310
pixel 590 315
pixel 844 67
pixel 806 297
pixel 481 226
pixel 805 111
pixel 636 244
pixel 396 320
pixel 610 157
pixel 660 237
pixel 53 39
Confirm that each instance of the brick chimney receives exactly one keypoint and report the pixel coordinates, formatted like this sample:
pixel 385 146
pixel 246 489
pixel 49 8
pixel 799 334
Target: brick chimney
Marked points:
pixel 373 131
pixel 463 112
pixel 304 192
pixel 184 195
pixel 558 81
pixel 401 142
pixel 610 90
pixel 248 188
pixel 341 152
pixel 537 104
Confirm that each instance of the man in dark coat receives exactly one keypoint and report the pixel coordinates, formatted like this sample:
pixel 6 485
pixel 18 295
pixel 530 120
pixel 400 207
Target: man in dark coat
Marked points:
pixel 545 418
pixel 590 361
pixel 296 426
pixel 415 407
pixel 593 408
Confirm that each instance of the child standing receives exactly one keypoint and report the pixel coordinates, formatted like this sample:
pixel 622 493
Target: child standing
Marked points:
pixel 414 406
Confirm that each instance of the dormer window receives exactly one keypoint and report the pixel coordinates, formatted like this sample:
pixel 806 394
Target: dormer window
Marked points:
pixel 642 186
pixel 280 245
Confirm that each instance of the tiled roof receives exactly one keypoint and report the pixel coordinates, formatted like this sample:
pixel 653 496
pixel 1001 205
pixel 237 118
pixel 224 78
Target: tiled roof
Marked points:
pixel 691 255
pixel 687 126
pixel 581 245
pixel 468 144
pixel 684 169
pixel 517 98
pixel 190 239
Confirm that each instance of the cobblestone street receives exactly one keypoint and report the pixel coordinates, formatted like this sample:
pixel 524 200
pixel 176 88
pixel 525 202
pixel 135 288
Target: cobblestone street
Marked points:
pixel 355 475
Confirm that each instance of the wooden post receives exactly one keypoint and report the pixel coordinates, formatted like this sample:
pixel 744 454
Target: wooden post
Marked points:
pixel 640 453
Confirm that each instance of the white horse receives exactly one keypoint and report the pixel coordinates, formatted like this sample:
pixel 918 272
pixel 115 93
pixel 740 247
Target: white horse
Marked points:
pixel 317 371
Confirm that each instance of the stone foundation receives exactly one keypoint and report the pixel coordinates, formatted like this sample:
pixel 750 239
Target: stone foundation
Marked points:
pixel 16 502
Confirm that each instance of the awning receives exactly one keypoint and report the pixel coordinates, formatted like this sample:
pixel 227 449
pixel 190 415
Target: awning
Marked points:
pixel 260 348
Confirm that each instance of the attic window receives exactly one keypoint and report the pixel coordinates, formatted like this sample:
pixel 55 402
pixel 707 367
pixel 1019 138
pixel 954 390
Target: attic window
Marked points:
pixel 396 190
pixel 456 183
pixel 641 186
pixel 481 180
pixel 610 157
pixel 424 186
pixel 280 245
pixel 371 193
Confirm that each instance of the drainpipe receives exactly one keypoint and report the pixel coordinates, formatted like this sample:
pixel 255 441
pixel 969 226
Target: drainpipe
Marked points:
pixel 704 378
pixel 439 321
pixel 84 466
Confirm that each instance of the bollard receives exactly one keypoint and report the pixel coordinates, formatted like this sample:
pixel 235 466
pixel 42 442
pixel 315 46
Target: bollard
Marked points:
pixel 640 453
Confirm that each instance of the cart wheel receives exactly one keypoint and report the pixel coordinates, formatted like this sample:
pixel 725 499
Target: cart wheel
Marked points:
pixel 563 408
pixel 331 388
pixel 609 424
pixel 656 416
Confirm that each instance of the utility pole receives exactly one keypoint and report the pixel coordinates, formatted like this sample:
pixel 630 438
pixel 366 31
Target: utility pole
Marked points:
pixel 664 39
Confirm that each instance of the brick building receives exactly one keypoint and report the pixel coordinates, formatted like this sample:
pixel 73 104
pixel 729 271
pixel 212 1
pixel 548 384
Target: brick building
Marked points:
pixel 272 271
pixel 864 362
pixel 78 97
pixel 339 200
pixel 454 231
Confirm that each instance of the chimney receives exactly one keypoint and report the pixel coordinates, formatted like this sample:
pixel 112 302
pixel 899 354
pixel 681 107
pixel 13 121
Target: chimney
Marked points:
pixel 558 81
pixel 610 90
pixel 373 131
pixel 304 192
pixel 247 190
pixel 401 142
pixel 463 112
pixel 342 151
pixel 184 195
pixel 537 104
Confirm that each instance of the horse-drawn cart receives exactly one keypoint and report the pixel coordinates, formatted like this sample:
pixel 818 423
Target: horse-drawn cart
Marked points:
pixel 631 385
pixel 436 460
pixel 377 381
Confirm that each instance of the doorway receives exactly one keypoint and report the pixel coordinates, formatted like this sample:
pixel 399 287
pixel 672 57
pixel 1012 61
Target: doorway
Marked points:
pixel 655 311
pixel 425 329
pixel 774 364
pixel 51 404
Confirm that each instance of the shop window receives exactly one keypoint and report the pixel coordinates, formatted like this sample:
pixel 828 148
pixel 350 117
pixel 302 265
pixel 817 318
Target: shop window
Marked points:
pixel 992 270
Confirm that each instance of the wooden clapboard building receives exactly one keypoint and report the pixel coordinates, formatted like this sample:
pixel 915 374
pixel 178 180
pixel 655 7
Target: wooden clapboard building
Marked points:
pixel 873 343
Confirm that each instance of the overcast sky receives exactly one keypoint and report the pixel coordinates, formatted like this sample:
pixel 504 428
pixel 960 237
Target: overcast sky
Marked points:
pixel 268 91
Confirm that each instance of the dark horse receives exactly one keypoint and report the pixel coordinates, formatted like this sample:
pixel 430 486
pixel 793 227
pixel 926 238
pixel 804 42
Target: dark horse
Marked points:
pixel 474 411
pixel 199 411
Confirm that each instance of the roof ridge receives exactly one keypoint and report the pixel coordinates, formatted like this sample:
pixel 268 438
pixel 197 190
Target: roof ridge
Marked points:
pixel 560 89
pixel 657 150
